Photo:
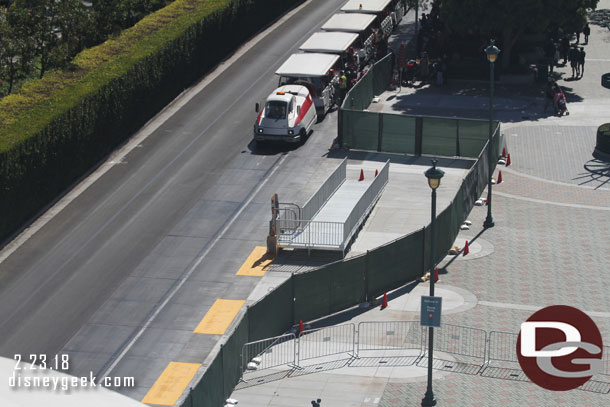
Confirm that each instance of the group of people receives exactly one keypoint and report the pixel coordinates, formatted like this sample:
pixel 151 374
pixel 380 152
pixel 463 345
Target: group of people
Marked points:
pixel 569 53
pixel 425 70
pixel 576 57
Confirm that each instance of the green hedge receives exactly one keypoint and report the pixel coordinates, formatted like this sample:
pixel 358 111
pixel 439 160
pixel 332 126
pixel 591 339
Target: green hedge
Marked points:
pixel 57 128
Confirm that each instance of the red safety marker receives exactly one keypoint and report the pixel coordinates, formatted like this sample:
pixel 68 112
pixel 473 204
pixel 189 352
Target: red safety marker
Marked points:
pixel 300 326
pixel 435 274
pixel 499 180
pixel 466 249
pixel 384 303
pixel 503 152
pixel 376 172
pixel 508 160
pixel 361 175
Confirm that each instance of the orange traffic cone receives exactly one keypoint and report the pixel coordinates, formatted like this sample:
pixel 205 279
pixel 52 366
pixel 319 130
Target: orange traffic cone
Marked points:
pixel 508 160
pixel 503 152
pixel 361 175
pixel 435 274
pixel 300 326
pixel 384 303
pixel 499 181
pixel 376 172
pixel 466 249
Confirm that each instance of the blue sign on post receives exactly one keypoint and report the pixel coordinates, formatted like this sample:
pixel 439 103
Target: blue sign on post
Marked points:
pixel 431 311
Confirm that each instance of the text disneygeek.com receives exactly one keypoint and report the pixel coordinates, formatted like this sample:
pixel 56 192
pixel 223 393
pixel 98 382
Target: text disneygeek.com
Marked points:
pixel 66 383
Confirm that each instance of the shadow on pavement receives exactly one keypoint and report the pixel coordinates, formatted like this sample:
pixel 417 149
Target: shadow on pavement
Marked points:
pixel 596 171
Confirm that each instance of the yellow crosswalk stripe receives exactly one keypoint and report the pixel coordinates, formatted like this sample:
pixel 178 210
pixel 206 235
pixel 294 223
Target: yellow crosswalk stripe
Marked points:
pixel 219 317
pixel 171 384
pixel 257 263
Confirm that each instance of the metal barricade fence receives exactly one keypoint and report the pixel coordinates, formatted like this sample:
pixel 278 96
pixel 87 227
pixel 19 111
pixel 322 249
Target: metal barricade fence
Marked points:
pixel 459 340
pixel 270 352
pixel 502 362
pixel 389 335
pixel 502 347
pixel 316 343
pixel 606 362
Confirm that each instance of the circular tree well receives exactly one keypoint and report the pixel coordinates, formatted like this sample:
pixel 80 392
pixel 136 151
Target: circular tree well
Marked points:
pixel 602 146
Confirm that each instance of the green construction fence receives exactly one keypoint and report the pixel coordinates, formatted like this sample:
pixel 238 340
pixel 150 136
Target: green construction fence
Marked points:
pixel 401 133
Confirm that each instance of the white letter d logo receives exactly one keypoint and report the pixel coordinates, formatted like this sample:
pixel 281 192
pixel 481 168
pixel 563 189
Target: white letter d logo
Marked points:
pixel 528 338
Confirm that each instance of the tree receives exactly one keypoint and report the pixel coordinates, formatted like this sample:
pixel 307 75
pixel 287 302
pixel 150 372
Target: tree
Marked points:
pixel 40 20
pixel 9 54
pixel 16 48
pixel 73 22
pixel 507 20
pixel 107 19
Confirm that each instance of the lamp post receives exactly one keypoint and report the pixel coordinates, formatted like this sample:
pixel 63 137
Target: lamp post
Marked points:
pixel 434 176
pixel 492 53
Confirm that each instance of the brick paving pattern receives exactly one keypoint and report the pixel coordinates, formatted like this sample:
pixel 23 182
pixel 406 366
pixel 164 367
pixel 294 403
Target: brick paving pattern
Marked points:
pixel 550 246
pixel 558 153
pixel 518 185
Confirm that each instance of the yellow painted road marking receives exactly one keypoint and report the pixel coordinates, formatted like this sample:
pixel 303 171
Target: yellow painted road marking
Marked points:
pixel 171 384
pixel 257 263
pixel 219 317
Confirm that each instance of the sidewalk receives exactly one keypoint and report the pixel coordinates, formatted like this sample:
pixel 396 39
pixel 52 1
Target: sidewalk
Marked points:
pixel 549 246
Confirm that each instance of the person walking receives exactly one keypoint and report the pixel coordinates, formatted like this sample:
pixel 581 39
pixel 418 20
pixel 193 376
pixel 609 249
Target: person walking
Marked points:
pixel 424 67
pixel 581 61
pixel 573 58
pixel 550 51
pixel 565 47
pixel 586 31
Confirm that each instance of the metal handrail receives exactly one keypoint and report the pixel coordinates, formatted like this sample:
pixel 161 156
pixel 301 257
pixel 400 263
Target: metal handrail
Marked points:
pixel 325 233
pixel 288 219
pixel 326 190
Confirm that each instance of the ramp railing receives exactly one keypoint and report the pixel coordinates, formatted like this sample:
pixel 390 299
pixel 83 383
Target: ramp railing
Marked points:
pixel 366 202
pixel 326 190
pixel 296 226
pixel 289 218
pixel 310 233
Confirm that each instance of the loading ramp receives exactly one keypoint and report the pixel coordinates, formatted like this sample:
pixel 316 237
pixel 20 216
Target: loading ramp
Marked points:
pixel 331 217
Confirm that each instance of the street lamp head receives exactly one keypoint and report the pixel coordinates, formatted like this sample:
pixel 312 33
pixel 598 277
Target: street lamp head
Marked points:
pixel 492 52
pixel 434 175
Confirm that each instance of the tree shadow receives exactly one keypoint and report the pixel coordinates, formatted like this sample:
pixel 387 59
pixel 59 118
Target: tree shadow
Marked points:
pixel 596 172
pixel 470 99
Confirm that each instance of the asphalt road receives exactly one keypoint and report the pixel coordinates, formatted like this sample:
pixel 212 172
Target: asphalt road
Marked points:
pixel 162 222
